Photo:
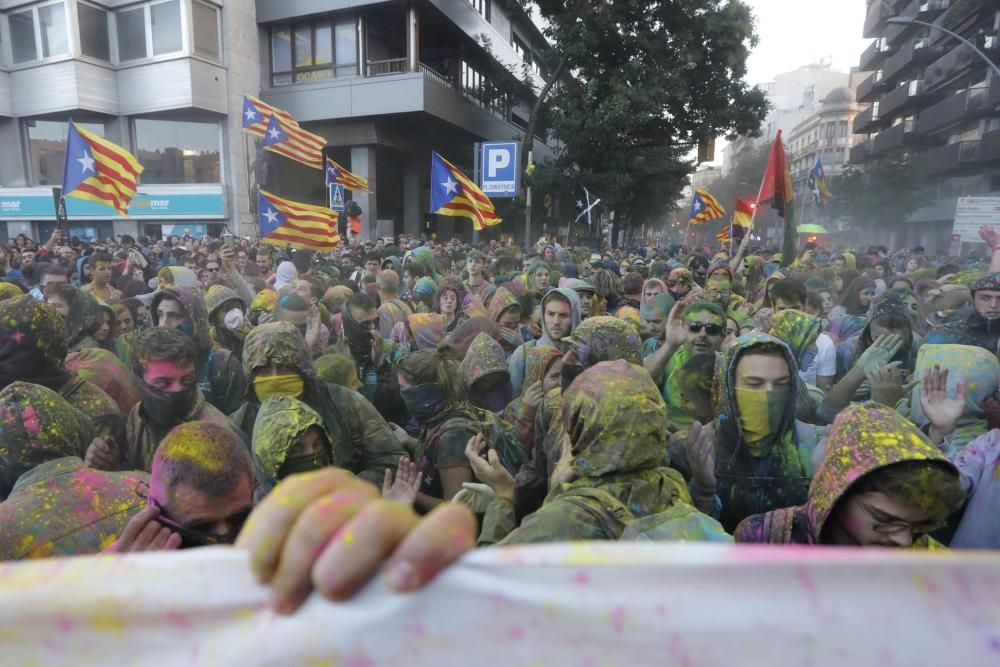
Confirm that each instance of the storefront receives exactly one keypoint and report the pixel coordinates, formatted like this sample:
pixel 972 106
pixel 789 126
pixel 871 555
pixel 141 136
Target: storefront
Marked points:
pixel 157 211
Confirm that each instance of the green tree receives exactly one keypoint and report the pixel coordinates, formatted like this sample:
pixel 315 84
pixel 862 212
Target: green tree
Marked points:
pixel 633 86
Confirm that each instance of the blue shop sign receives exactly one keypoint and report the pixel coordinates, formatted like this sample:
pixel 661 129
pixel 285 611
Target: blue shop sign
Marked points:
pixel 158 205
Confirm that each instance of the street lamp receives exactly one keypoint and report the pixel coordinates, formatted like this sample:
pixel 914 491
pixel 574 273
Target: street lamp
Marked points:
pixel 904 20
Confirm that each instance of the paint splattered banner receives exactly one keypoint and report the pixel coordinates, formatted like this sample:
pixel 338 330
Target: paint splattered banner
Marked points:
pixel 573 604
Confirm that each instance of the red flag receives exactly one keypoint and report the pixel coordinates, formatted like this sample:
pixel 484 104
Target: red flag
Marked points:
pixel 777 187
pixel 744 213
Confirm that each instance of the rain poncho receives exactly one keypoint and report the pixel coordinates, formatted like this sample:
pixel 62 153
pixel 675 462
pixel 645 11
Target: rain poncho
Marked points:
pixel 613 416
pixel 517 363
pixel 83 321
pixel 363 441
pixel 427 329
pixel 217 297
pixel 973 329
pixel 486 364
pixel 974 366
pixel 799 331
pixel 338 369
pixel 64 508
pixel 466 332
pixel 280 423
pixel 424 258
pixel 106 371
pixel 864 438
pixel 501 300
pixel 776 473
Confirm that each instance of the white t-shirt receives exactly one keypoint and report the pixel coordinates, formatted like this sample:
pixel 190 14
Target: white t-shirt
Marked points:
pixel 825 362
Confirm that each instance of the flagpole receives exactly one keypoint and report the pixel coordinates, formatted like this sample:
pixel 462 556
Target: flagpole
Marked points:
pixel 251 177
pixel 805 190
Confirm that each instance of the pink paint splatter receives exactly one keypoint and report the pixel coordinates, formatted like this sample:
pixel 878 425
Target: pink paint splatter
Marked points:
pixel 358 660
pixel 179 620
pixel 65 624
pixel 30 420
pixel 516 632
pixel 618 617
pixel 581 577
pixel 661 609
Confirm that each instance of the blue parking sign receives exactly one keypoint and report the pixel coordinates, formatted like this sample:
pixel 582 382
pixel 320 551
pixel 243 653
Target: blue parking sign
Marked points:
pixel 498 174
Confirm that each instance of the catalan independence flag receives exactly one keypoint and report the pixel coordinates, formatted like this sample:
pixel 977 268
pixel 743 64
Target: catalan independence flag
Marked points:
pixel 724 235
pixel 98 170
pixel 257 116
pixel 337 174
pixel 452 193
pixel 293 142
pixel 705 207
pixel 817 183
pixel 287 223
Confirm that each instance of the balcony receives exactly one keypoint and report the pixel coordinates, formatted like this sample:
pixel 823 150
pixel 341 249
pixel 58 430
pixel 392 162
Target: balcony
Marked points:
pixel 878 12
pixel 959 61
pixel 931 9
pixel 896 33
pixel 896 136
pixel 869 120
pixel 901 99
pixel 910 57
pixel 874 55
pixel 966 105
pixel 965 155
pixel 862 152
pixel 871 88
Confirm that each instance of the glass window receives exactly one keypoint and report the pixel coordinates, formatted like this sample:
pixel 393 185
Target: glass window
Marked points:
pixel 346 42
pixel 52 28
pixel 165 21
pixel 47 148
pixel 303 45
pixel 281 55
pixel 94 32
pixel 22 36
pixel 324 45
pixel 178 151
pixel 131 26
pixel 206 30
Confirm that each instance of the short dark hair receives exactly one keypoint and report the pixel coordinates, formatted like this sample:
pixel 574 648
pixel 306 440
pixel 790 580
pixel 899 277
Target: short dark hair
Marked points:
pixel 162 344
pixel 302 260
pixel 100 256
pixel 373 257
pixel 317 287
pixel 706 306
pixel 633 283
pixel 814 299
pixel 361 301
pixel 52 270
pixel 205 456
pixel 788 290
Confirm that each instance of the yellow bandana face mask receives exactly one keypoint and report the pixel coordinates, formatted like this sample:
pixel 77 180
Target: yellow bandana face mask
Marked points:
pixel 279 385
pixel 761 412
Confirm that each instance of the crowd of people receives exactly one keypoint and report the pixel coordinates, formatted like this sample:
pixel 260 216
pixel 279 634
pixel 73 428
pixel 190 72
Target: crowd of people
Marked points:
pixel 407 400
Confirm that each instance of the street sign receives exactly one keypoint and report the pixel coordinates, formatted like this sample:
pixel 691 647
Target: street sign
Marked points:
pixel 499 172
pixel 336 197
pixel 971 213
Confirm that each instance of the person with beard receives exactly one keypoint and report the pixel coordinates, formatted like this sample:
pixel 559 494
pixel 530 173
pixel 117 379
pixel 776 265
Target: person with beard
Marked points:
pixel 276 361
pixel 881 483
pixel 697 329
pixel 560 316
pixel 982 326
pixel 165 363
pixel 220 377
pixel 374 356
pixel 201 486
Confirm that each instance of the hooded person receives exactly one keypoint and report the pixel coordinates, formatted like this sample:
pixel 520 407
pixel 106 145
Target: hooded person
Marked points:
pixel 81 312
pixel 277 363
pixel 597 339
pixel 423 295
pixel 374 357
pixel 484 371
pixel 285 274
pixel 505 309
pixel 227 322
pixel 170 277
pixel 849 318
pixel 420 332
pixel 544 368
pixel 981 326
pixel 880 483
pixel 106 371
pixel 337 369
pixel 613 464
pixel 800 332
pixel 561 315
pixel 220 377
pixel 461 338
pixel 288 437
pixel 763 456
pixel 33 349
pixel 423 257
pixel 650 289
pixel 976 369
pixel 262 307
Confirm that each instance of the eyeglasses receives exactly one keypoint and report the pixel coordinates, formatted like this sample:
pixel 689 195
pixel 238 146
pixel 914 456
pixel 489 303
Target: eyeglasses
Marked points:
pixel 198 535
pixel 211 270
pixel 898 526
pixel 710 329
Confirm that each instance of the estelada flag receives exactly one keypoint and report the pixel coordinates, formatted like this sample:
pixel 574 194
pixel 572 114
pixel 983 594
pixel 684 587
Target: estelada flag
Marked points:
pixel 293 142
pixel 452 193
pixel 705 207
pixel 776 187
pixel 335 173
pixel 99 170
pixel 302 226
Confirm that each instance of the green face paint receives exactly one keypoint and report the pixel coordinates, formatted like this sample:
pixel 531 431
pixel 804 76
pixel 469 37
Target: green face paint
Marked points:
pixel 761 412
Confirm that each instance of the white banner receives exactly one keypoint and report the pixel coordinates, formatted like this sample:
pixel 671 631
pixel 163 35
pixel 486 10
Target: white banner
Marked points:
pixel 971 213
pixel 594 604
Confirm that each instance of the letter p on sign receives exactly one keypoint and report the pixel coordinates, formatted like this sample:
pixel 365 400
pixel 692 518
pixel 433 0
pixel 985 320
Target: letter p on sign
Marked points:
pixel 499 177
pixel 499 159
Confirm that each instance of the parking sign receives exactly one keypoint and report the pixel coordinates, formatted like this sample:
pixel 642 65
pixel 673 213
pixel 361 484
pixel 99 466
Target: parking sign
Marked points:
pixel 499 169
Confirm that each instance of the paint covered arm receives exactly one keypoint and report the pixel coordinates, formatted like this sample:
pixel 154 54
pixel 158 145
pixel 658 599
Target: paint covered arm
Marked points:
pixel 377 446
pixel 978 460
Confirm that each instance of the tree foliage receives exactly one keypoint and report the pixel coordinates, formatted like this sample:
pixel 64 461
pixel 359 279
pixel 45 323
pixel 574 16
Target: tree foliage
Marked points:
pixel 634 85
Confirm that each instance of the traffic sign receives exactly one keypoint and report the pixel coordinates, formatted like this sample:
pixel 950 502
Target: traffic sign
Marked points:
pixel 336 198
pixel 500 166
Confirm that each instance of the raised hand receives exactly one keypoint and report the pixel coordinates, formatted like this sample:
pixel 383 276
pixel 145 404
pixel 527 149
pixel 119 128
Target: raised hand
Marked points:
pixel 406 486
pixel 676 333
pixel 990 237
pixel 477 497
pixel 885 384
pixel 701 456
pixel 533 395
pixel 489 470
pixel 144 533
pixel 880 352
pixel 102 454
pixel 943 412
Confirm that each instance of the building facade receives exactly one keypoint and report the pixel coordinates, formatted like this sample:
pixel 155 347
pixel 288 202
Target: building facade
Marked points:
pixel 929 94
pixel 385 83
pixel 159 77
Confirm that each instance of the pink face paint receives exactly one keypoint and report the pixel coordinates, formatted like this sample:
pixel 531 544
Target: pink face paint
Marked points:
pixel 30 420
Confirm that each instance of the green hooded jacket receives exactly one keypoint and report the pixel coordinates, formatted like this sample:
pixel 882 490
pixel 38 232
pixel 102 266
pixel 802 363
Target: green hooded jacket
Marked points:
pixel 281 421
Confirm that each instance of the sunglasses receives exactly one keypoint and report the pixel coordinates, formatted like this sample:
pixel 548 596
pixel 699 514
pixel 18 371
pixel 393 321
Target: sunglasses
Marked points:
pixel 710 329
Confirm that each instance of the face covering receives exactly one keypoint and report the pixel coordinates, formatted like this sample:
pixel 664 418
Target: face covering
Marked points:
pixel 166 408
pixel 233 319
pixel 290 384
pixel 568 374
pixel 187 329
pixel 303 462
pixel 359 339
pixel 423 401
pixel 761 412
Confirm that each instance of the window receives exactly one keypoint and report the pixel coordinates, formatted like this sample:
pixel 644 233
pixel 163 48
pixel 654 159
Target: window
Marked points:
pixel 38 32
pixel 47 148
pixel 150 30
pixel 481 6
pixel 94 40
pixel 178 151
pixel 842 128
pixel 313 51
pixel 831 130
pixel 206 30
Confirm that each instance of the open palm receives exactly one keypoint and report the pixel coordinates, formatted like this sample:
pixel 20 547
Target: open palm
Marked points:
pixel 942 411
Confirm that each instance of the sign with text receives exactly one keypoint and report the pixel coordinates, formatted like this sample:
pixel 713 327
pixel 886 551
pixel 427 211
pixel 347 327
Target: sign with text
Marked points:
pixel 498 174
pixel 971 213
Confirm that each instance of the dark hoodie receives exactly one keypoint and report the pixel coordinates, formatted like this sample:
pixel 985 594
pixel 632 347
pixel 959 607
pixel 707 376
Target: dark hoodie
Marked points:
pixel 864 438
pixel 280 423
pixel 849 351
pixel 974 329
pixel 220 376
pixel 83 321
